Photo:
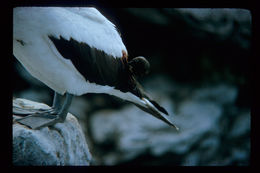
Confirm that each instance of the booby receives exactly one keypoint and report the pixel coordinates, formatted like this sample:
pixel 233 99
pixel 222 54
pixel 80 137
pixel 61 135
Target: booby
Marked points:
pixel 75 51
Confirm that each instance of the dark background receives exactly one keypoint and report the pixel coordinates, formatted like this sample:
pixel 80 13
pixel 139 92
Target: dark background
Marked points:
pixel 200 73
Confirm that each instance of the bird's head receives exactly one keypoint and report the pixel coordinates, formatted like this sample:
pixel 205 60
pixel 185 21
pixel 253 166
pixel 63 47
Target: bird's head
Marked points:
pixel 139 66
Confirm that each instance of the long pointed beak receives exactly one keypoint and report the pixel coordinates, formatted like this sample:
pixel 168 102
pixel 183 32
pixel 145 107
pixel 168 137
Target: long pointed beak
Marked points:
pixel 151 109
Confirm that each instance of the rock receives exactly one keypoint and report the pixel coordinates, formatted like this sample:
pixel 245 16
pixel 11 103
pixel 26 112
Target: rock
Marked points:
pixel 222 94
pixel 79 108
pixel 136 132
pixel 130 133
pixel 224 22
pixel 241 125
pixel 61 144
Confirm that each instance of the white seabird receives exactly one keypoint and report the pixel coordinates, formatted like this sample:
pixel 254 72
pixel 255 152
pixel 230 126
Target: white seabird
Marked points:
pixel 75 51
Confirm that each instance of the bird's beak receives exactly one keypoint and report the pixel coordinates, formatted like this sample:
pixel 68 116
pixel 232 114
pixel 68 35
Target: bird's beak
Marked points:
pixel 151 108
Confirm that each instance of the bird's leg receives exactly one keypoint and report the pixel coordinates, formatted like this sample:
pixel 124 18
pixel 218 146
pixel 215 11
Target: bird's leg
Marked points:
pixel 65 108
pixel 58 114
pixel 56 105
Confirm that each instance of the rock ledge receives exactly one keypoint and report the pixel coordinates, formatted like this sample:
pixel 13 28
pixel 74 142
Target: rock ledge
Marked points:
pixel 61 144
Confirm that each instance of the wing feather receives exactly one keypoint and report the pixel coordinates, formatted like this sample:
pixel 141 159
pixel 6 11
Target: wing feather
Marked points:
pixel 94 65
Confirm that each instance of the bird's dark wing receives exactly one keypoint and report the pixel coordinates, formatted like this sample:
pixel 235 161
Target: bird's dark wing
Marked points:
pixel 96 66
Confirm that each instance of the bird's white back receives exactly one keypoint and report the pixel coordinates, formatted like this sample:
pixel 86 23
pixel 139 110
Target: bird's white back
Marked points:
pixel 85 25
